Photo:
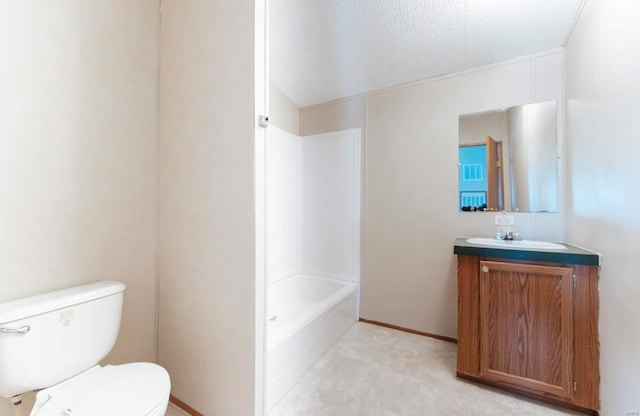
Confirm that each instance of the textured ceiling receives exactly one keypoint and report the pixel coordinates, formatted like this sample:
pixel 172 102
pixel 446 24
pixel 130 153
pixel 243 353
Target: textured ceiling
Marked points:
pixel 322 50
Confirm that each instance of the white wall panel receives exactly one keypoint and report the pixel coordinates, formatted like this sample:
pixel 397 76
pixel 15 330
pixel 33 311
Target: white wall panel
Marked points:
pixel 282 203
pixel 329 205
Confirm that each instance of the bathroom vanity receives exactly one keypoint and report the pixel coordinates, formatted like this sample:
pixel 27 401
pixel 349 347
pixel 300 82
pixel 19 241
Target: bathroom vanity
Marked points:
pixel 528 321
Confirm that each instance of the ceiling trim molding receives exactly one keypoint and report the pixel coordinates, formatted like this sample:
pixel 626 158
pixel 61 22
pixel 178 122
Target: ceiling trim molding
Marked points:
pixel 574 24
pixel 438 78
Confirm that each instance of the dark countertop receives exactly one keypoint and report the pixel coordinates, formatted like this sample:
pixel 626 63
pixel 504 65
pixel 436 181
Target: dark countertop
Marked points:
pixel 572 255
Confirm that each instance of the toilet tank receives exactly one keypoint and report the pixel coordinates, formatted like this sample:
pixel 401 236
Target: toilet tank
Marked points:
pixel 59 335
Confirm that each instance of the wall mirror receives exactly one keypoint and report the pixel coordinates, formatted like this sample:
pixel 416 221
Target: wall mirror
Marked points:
pixel 507 159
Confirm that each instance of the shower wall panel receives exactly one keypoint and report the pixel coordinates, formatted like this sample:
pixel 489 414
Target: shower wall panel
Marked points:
pixel 329 205
pixel 282 203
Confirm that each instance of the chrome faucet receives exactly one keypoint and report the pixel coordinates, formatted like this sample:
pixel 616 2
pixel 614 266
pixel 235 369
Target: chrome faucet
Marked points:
pixel 508 236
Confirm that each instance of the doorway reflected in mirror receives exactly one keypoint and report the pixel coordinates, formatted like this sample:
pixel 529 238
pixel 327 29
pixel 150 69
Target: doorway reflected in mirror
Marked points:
pixel 508 159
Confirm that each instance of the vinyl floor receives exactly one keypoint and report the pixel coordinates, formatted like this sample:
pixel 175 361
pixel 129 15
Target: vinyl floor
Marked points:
pixel 376 371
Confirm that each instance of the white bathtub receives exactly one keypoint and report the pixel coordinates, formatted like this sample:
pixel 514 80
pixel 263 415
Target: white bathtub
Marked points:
pixel 311 314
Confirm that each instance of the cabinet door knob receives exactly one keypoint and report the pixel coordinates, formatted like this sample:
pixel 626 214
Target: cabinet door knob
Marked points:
pixel 485 268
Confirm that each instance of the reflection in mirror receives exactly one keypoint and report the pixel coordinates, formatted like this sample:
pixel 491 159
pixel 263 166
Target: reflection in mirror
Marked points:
pixel 508 160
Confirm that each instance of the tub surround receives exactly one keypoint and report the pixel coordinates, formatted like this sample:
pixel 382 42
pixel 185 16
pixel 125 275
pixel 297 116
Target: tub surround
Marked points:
pixel 313 205
pixel 572 255
pixel 312 190
pixel 528 322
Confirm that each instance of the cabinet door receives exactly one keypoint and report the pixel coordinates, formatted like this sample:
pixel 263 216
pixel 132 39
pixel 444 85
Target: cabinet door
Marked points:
pixel 526 327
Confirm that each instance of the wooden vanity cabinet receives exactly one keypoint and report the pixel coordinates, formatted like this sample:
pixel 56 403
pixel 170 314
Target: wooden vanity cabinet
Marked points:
pixel 530 327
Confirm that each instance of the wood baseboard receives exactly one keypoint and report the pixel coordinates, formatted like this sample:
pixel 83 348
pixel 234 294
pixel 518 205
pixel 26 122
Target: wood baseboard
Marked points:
pixel 411 331
pixel 185 407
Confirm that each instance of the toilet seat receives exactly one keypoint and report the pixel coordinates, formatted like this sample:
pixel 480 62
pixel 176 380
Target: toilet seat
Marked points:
pixel 135 389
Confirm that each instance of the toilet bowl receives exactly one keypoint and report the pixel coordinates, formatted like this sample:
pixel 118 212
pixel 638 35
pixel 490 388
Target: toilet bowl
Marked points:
pixel 52 344
pixel 136 389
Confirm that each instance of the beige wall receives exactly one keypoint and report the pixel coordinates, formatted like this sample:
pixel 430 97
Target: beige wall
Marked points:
pixel 206 203
pixel 283 112
pixel 334 116
pixel 475 128
pixel 602 88
pixel 77 155
pixel 410 190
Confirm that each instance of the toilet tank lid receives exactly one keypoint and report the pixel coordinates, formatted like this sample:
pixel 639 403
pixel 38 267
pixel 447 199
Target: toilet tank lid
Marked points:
pixel 36 305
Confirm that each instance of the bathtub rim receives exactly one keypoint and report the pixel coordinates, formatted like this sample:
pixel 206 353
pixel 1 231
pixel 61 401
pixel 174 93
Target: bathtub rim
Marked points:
pixel 322 306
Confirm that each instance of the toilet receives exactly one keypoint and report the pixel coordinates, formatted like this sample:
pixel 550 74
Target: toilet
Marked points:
pixel 52 344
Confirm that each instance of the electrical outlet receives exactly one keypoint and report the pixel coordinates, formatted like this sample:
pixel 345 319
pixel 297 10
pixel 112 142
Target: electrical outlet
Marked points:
pixel 504 219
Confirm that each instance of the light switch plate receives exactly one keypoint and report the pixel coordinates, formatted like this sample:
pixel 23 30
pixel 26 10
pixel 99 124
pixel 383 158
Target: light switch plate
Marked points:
pixel 504 219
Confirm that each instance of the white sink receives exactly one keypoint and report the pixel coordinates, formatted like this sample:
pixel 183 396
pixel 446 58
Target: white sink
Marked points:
pixel 516 244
